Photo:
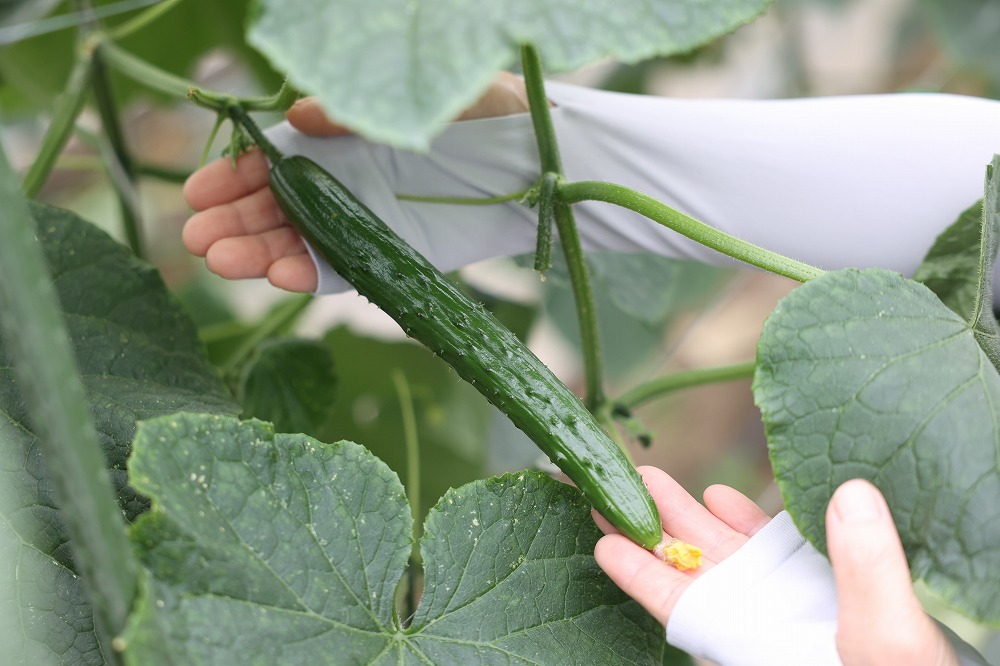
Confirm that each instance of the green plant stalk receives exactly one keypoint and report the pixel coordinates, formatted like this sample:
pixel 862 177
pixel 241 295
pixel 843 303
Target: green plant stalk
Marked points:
pixel 681 380
pixel 142 72
pixel 412 442
pixel 69 107
pixel 163 81
pixel 685 225
pixel 569 238
pixel 166 174
pixel 32 325
pixel 140 21
pixel 122 169
pixel 277 321
pixel 464 201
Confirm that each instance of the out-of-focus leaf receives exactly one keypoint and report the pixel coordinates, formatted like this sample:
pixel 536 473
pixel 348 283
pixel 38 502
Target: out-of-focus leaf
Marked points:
pixel 34 71
pixel 636 295
pixel 291 383
pixel 969 31
pixel 397 70
pixel 452 418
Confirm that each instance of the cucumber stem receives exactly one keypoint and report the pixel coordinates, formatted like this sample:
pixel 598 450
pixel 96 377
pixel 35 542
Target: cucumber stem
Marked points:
pixel 546 219
pixel 240 116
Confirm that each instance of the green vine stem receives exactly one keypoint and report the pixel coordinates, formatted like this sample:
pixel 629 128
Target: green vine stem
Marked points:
pixel 68 108
pixel 465 201
pixel 163 81
pixel 122 169
pixel 141 20
pixel 685 225
pixel 412 442
pixel 681 380
pixel 280 319
pixel 33 329
pixel 142 72
pixel 569 238
pixel 163 173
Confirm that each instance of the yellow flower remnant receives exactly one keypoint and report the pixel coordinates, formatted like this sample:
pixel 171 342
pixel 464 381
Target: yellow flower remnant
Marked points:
pixel 679 554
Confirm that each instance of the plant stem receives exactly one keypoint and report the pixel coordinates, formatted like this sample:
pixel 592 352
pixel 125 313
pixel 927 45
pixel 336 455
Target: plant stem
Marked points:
pixel 142 72
pixel 279 319
pixel 685 225
pixel 240 116
pixel 33 329
pixel 163 81
pixel 464 201
pixel 680 380
pixel 122 168
pixel 68 108
pixel 166 174
pixel 412 443
pixel 140 21
pixel 569 238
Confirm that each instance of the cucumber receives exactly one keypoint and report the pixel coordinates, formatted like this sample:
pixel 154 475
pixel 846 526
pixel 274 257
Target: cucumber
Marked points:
pixel 431 309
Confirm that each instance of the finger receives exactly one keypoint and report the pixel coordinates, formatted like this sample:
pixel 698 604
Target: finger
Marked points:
pixel 506 95
pixel 685 518
pixel 252 214
pixel 735 509
pixel 641 575
pixel 295 273
pixel 308 117
pixel 218 183
pixel 878 613
pixel 252 256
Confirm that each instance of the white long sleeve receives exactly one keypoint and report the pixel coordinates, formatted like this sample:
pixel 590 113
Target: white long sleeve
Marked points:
pixel 847 181
pixel 771 603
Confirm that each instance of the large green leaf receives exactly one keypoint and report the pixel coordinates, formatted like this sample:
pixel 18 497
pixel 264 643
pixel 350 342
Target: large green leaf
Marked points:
pixel 139 357
pixel 278 549
pixel 867 374
pixel 397 70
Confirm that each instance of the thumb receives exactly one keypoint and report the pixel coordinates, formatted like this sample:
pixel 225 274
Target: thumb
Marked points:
pixel 879 619
pixel 308 117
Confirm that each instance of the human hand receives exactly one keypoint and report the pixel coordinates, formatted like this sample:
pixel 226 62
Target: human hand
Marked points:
pixel 237 226
pixel 726 521
pixel 878 621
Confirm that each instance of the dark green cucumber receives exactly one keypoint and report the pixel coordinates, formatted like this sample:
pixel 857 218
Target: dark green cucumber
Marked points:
pixel 431 309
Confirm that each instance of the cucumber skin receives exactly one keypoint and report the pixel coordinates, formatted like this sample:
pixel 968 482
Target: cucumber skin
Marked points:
pixel 431 309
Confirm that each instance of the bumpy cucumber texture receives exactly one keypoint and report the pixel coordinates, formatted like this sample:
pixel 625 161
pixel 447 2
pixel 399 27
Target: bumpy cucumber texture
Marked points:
pixel 432 310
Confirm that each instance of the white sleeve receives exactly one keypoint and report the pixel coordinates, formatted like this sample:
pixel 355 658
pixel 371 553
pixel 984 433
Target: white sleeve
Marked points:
pixel 842 181
pixel 771 603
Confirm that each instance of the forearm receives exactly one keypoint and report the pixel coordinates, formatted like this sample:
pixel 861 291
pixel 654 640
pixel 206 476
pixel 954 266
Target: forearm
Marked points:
pixel 859 181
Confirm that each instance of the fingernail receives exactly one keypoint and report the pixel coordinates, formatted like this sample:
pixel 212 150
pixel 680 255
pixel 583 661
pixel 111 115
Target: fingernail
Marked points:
pixel 857 501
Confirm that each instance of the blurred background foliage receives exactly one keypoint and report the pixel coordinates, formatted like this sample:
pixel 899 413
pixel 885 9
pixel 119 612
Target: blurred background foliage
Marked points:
pixel 657 315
